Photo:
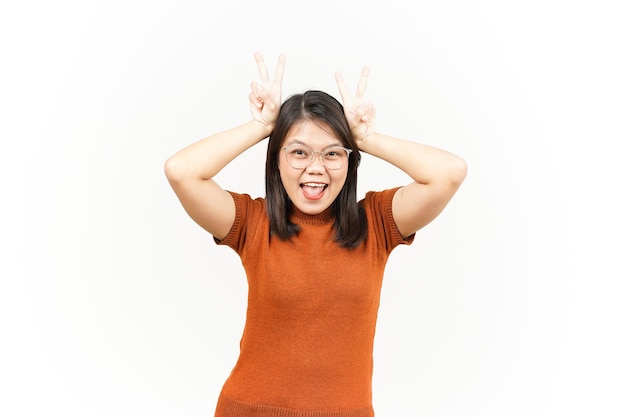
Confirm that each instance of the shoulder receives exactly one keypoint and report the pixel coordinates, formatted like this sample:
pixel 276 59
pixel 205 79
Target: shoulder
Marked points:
pixel 381 223
pixel 245 203
pixel 378 199
pixel 250 219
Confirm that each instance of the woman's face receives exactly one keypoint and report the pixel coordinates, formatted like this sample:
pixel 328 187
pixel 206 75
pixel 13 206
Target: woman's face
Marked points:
pixel 314 188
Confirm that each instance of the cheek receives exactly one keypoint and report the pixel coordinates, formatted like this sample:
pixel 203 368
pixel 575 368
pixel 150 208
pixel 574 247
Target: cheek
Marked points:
pixel 340 179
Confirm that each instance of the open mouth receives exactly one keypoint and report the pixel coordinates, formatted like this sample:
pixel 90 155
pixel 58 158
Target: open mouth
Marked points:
pixel 313 190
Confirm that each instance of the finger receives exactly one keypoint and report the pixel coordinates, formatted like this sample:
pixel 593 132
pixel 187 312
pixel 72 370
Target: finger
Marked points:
pixel 343 88
pixel 255 101
pixel 362 86
pixel 256 93
pixel 280 69
pixel 261 66
pixel 367 111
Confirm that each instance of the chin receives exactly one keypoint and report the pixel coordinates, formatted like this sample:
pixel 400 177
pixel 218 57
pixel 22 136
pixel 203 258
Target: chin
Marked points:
pixel 312 209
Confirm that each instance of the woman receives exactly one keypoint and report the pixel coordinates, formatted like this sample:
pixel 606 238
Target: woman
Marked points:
pixel 313 255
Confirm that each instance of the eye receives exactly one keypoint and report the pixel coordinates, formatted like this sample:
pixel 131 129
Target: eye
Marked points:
pixel 334 153
pixel 299 153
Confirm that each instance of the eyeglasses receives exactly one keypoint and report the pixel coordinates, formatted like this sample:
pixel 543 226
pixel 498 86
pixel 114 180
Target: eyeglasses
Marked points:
pixel 301 156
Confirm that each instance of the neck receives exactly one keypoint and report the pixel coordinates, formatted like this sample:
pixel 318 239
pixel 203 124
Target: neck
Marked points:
pixel 300 217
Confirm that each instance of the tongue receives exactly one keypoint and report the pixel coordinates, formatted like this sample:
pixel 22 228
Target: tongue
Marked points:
pixel 312 192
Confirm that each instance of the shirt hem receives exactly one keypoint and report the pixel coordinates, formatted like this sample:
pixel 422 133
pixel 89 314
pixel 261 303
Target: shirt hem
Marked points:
pixel 227 407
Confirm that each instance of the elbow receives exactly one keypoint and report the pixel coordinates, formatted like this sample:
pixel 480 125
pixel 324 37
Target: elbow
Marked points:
pixel 173 169
pixel 458 172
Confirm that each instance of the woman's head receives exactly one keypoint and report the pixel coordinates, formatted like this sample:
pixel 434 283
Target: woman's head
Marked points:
pixel 313 121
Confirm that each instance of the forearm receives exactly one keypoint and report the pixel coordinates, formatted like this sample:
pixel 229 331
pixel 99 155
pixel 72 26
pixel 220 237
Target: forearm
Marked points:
pixel 202 160
pixel 424 164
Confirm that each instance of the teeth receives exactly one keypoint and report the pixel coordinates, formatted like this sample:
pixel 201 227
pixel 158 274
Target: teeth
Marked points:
pixel 314 185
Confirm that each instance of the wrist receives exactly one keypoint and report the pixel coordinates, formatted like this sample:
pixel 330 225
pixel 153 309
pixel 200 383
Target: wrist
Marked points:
pixel 263 129
pixel 368 143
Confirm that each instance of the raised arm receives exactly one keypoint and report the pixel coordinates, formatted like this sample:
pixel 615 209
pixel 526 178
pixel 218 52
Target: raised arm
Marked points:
pixel 190 171
pixel 436 174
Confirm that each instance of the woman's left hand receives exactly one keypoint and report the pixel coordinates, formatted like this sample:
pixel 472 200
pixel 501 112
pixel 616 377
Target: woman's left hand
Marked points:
pixel 359 113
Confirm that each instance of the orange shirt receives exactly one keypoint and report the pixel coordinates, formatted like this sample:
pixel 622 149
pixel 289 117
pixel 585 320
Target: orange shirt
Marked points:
pixel 312 306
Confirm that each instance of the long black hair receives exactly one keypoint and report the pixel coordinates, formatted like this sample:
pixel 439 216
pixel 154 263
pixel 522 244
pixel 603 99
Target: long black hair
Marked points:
pixel 350 224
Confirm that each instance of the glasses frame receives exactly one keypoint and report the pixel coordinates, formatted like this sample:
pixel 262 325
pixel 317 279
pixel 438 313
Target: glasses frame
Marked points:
pixel 321 155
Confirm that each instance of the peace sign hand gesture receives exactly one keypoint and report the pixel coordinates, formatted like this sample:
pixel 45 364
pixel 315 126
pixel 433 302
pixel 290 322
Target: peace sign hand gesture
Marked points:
pixel 359 113
pixel 265 97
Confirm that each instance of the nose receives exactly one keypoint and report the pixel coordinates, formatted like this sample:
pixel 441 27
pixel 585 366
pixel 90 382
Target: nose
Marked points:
pixel 317 164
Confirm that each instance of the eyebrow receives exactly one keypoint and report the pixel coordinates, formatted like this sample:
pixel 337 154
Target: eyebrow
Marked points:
pixel 299 142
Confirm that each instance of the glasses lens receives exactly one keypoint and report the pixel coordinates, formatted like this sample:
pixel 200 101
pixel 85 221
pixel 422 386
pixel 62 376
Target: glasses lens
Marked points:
pixel 335 157
pixel 298 156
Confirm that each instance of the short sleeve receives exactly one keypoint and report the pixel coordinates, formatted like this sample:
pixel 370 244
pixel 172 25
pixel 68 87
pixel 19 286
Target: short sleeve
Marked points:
pixel 378 209
pixel 248 214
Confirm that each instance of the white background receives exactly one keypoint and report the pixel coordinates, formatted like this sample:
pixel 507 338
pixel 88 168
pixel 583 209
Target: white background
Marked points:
pixel 114 303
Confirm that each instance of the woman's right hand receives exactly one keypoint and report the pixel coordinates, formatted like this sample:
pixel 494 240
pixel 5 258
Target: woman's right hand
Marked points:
pixel 265 96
